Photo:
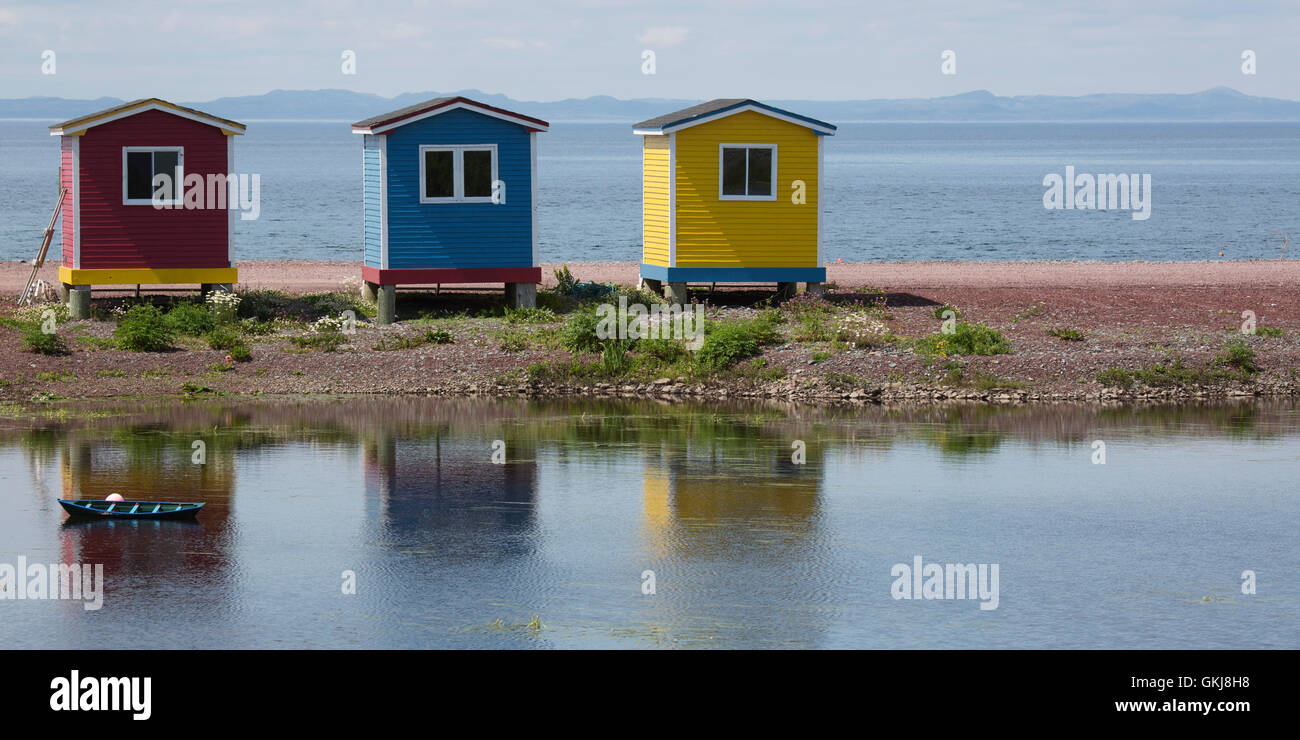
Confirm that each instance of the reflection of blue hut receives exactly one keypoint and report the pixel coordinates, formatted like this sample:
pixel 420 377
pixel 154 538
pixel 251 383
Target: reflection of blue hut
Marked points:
pixel 450 197
pixel 446 490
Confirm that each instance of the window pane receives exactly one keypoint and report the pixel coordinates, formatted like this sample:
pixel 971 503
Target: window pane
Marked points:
pixel 478 174
pixel 733 171
pixel 139 175
pixel 165 163
pixel 760 171
pixel 438 175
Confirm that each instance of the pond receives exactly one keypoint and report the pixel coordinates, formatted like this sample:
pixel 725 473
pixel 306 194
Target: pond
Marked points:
pixel 436 523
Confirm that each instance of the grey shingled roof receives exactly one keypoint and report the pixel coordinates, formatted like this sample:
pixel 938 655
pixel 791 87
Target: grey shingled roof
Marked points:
pixel 695 111
pixel 411 111
pixel 418 107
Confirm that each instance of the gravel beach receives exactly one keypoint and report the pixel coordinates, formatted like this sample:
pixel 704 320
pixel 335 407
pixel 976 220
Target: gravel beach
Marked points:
pixel 1132 315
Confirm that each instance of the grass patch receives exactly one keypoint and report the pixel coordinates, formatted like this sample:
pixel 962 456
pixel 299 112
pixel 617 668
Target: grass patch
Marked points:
pixel 323 341
pixel 966 339
pixel 403 341
pixel 530 316
pixel 1067 334
pixel 36 340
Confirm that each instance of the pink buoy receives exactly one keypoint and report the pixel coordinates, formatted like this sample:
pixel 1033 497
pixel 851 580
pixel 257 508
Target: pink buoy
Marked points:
pixel 114 497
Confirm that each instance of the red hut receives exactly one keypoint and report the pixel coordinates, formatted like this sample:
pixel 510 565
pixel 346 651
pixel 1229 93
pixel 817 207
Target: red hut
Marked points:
pixel 122 224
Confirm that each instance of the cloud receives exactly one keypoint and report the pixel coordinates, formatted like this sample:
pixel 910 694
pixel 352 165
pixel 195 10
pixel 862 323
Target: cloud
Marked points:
pixel 664 35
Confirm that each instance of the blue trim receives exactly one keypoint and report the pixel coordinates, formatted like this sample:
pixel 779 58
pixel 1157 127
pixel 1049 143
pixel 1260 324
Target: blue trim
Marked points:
pixel 733 274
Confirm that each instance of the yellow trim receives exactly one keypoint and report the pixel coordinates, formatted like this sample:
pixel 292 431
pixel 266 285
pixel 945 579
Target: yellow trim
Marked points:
pixel 147 276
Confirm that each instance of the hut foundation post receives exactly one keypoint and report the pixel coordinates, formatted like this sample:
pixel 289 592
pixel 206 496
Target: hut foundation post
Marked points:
pixel 676 293
pixel 369 291
pixel 813 288
pixel 78 301
pixel 786 290
pixel 387 302
pixel 521 295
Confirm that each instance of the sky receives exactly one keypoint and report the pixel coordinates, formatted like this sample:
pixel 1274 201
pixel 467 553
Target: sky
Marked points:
pixel 552 49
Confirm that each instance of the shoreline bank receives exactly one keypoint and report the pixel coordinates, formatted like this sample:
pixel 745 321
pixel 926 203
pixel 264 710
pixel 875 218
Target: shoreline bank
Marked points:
pixel 1153 332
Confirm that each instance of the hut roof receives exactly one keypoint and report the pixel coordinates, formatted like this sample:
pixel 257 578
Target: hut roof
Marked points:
pixel 720 108
pixel 438 106
pixel 81 123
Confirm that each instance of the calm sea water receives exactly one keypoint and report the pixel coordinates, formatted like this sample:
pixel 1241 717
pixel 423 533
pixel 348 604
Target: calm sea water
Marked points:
pixel 747 549
pixel 893 191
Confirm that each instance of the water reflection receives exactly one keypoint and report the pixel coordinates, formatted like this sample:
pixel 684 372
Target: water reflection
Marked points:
pixel 764 524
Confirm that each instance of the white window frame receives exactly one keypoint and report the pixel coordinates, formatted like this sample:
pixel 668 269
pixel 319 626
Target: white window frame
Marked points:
pixel 457 172
pixel 180 166
pixel 722 148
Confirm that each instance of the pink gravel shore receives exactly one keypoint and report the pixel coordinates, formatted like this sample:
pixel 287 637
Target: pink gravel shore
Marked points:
pixel 301 276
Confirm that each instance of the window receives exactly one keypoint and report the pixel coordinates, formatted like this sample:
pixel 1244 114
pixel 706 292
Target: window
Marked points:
pixel 141 164
pixel 457 174
pixel 746 171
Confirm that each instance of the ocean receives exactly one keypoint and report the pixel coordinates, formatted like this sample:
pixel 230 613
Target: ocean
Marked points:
pixel 893 191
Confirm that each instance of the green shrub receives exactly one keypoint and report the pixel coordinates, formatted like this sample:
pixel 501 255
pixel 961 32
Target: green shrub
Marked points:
pixel 144 329
pixel 43 344
pixel 966 339
pixel 727 344
pixel 664 350
pixel 579 333
pixel 264 305
pixel 1269 331
pixel 325 341
pixel 223 337
pixel 240 353
pixel 190 320
pixel 1114 377
pixel 939 311
pixel 1238 355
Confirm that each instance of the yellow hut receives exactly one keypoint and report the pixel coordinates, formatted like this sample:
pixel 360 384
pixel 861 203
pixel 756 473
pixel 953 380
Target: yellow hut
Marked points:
pixel 731 193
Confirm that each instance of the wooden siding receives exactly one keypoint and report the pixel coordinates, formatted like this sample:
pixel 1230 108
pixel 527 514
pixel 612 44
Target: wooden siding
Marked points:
pixel 656 205
pixel 371 174
pixel 429 235
pixel 750 233
pixel 115 235
pixel 68 216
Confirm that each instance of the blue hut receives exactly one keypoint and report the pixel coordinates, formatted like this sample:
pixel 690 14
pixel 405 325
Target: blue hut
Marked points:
pixel 450 198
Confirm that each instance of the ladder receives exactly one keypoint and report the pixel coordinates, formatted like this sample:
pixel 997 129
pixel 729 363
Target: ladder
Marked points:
pixel 26 297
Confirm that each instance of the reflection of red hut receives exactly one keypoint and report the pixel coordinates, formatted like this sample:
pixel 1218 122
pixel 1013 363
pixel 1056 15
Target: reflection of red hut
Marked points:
pixel 112 232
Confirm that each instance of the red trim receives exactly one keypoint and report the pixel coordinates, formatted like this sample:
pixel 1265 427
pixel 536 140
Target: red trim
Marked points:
pixel 451 275
pixel 453 101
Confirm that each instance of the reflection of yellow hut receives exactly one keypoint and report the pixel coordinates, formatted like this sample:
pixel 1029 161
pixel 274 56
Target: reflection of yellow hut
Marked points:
pixel 691 497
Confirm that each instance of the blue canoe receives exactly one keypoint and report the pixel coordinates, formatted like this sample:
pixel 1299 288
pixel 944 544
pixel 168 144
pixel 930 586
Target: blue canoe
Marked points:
pixel 130 509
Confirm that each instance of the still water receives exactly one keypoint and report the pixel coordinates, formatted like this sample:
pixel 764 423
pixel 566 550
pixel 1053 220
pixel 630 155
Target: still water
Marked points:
pixel 893 191
pixel 748 549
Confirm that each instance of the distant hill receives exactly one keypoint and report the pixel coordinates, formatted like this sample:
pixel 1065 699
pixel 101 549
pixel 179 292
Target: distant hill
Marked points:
pixel 1218 104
